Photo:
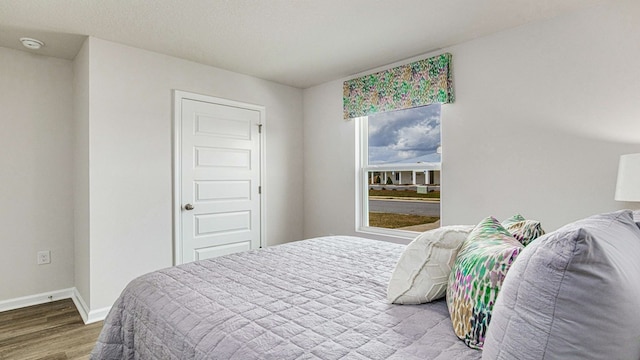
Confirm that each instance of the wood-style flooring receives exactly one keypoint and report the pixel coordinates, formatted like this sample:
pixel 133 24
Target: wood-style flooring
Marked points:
pixel 52 331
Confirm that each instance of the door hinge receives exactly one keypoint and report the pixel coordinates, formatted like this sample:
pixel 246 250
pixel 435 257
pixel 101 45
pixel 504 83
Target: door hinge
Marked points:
pixel 259 128
pixel 259 189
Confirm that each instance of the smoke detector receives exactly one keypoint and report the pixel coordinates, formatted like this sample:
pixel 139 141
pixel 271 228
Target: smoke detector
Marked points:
pixel 32 44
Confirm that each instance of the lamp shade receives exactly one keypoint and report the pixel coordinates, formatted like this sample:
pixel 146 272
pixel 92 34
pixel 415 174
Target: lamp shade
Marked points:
pixel 628 185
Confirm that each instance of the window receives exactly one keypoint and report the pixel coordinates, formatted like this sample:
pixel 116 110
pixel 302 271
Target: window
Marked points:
pixel 399 171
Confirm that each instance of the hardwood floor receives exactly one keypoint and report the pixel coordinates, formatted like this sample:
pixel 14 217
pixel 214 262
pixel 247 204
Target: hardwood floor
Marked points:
pixel 52 331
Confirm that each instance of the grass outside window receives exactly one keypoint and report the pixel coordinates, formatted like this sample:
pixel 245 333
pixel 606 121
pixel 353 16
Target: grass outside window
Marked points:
pixel 396 221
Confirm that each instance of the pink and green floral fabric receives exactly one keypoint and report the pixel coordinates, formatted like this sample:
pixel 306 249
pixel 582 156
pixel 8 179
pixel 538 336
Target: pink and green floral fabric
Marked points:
pixel 512 220
pixel 419 83
pixel 522 229
pixel 477 275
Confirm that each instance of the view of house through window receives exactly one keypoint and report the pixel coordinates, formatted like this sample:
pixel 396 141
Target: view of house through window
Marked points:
pixel 401 162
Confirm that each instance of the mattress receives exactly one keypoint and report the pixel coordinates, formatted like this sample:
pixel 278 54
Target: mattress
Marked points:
pixel 323 298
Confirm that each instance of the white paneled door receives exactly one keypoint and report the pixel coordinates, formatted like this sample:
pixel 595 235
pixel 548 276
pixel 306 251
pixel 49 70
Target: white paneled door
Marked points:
pixel 219 176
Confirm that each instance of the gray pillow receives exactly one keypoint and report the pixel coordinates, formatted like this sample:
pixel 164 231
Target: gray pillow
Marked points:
pixel 572 294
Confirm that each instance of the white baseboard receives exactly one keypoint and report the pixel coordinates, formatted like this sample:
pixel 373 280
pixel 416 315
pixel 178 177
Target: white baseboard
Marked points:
pixel 98 315
pixel 36 299
pixel 82 307
pixel 88 316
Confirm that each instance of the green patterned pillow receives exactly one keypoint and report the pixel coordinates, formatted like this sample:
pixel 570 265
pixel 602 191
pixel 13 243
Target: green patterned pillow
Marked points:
pixel 477 275
pixel 522 229
pixel 512 220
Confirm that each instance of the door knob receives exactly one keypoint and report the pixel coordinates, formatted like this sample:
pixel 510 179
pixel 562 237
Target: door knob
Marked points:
pixel 188 207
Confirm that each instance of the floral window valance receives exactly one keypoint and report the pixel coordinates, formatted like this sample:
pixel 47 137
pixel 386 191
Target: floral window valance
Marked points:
pixel 419 83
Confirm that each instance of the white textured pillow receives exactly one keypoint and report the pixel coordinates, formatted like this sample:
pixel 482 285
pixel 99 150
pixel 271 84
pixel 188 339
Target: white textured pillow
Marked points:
pixel 423 269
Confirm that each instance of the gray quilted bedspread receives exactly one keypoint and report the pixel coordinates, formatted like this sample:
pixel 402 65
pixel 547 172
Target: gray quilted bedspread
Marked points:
pixel 323 298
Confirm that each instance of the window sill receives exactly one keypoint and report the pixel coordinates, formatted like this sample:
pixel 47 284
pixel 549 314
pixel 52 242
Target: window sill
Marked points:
pixel 396 234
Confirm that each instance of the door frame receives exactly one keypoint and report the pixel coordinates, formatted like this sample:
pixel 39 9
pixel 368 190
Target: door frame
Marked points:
pixel 178 96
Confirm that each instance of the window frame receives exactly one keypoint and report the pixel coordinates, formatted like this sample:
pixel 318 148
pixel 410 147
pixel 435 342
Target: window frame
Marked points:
pixel 362 183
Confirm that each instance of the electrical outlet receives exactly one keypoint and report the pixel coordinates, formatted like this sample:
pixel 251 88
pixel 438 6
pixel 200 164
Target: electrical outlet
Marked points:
pixel 44 257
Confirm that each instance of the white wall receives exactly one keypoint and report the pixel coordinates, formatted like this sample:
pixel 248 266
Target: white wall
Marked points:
pixel 542 116
pixel 81 86
pixel 36 206
pixel 130 143
pixel 542 113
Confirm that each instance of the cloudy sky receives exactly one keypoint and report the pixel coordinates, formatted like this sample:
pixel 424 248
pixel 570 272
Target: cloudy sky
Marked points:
pixel 401 135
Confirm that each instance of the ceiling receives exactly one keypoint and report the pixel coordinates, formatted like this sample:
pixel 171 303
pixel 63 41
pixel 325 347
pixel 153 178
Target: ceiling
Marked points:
pixel 294 42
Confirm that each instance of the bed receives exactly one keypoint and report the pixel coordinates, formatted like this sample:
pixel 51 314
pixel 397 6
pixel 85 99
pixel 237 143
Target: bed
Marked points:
pixel 323 298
